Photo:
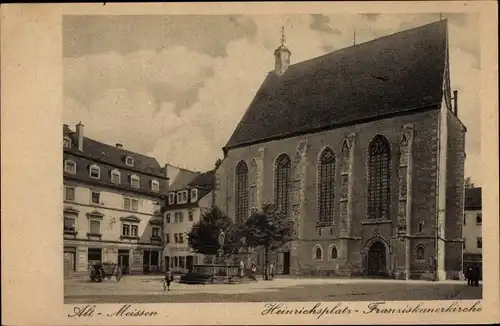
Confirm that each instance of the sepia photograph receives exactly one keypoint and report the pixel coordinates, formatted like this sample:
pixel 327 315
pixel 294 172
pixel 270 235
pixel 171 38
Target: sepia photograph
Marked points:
pixel 223 158
pixel 249 163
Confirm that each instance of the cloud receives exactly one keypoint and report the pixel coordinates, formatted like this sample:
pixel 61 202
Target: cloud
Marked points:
pixel 320 23
pixel 124 34
pixel 181 104
pixel 171 74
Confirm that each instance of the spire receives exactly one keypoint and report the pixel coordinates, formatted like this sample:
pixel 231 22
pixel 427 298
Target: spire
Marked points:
pixel 282 55
pixel 355 35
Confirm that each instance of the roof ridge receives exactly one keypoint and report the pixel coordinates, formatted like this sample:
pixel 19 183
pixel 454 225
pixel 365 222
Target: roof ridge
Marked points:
pixel 120 149
pixel 368 42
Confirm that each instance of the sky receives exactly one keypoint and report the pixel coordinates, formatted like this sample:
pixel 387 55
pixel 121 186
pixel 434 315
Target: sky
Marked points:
pixel 175 87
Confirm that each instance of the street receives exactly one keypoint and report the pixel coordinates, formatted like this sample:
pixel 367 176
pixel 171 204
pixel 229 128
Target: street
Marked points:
pixel 149 289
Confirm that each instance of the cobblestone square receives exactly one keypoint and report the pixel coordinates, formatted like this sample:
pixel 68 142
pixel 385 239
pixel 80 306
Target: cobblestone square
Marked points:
pixel 149 289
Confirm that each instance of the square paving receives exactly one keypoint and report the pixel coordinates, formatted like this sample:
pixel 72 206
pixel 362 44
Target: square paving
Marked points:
pixel 149 289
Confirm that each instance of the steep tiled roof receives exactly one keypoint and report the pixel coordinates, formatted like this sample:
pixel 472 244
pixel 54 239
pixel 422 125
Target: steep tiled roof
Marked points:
pixel 473 198
pixel 95 150
pixel 204 180
pixel 391 75
pixel 182 179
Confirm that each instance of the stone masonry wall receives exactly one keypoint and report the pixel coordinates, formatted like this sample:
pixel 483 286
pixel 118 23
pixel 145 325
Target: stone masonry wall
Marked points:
pixel 350 249
pixel 455 196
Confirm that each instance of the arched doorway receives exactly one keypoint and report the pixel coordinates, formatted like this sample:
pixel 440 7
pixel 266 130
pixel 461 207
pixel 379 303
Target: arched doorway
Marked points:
pixel 376 260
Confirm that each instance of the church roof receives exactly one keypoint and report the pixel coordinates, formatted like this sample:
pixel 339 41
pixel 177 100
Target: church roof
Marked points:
pixel 391 75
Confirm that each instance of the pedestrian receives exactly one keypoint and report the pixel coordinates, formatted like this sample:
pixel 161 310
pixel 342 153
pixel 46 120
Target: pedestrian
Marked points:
pixel 168 280
pixel 271 271
pixel 477 273
pixel 469 275
pixel 241 268
pixel 254 272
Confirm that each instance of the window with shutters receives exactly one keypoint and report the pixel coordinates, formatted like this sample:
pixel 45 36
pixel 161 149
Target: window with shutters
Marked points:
pixel 379 178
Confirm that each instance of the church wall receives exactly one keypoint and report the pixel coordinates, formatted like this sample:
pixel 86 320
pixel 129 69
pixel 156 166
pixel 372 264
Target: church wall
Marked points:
pixel 455 196
pixel 350 250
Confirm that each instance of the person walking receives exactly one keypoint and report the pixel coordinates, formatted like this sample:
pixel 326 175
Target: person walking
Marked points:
pixel 271 271
pixel 168 280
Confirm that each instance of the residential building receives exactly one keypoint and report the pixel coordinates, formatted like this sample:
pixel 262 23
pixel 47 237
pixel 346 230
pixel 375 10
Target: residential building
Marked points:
pixel 473 220
pixel 364 150
pixel 184 207
pixel 112 205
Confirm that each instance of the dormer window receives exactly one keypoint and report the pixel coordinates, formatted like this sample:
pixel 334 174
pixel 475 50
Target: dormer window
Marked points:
pixel 155 185
pixel 95 172
pixel 182 197
pixel 171 198
pixel 67 142
pixel 115 177
pixel 135 181
pixel 129 161
pixel 194 195
pixel 70 166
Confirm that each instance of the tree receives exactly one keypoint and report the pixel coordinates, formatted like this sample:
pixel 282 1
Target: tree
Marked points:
pixel 203 237
pixel 268 229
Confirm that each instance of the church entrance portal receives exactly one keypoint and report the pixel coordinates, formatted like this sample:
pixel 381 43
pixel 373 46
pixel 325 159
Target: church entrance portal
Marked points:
pixel 376 260
pixel 286 263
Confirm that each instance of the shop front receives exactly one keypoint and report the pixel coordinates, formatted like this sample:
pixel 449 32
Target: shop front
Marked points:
pixel 133 259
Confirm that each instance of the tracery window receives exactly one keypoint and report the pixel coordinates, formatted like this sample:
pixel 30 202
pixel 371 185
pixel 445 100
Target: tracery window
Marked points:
pixel 282 183
pixel 379 178
pixel 241 192
pixel 326 185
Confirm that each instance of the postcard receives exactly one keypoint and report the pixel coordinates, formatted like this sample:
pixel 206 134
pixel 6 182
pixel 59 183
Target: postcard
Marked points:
pixel 250 163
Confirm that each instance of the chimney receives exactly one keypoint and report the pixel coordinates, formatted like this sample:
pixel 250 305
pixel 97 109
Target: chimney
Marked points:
pixel 281 56
pixel 79 135
pixel 455 102
pixel 118 145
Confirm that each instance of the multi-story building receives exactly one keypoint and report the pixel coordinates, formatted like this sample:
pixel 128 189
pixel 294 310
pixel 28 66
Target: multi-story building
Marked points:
pixel 472 231
pixel 184 208
pixel 112 205
pixel 363 149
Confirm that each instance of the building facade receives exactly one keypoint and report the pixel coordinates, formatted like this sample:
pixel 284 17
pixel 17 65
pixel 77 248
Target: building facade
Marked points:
pixel 184 207
pixel 473 220
pixel 363 149
pixel 112 205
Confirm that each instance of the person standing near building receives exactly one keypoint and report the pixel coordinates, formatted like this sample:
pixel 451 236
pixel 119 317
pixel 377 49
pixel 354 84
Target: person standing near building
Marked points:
pixel 168 280
pixel 241 269
pixel 469 276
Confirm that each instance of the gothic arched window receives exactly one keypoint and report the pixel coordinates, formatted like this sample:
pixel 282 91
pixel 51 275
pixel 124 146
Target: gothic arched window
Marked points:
pixel 379 177
pixel 318 252
pixel 241 192
pixel 326 185
pixel 333 253
pixel 420 252
pixel 282 183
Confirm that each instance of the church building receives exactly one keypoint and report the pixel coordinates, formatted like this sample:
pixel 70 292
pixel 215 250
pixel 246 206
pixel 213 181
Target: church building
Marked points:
pixel 364 150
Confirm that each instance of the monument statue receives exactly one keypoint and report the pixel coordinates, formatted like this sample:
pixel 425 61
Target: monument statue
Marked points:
pixel 222 237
